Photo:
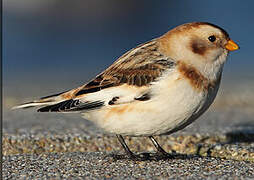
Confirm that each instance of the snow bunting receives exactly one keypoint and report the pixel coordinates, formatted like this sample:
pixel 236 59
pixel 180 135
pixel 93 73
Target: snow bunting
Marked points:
pixel 157 88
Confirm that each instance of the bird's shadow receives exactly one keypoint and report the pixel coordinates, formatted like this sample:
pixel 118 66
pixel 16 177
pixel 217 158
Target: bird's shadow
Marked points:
pixel 151 156
pixel 242 133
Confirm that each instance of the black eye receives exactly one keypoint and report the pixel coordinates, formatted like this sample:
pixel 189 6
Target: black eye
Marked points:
pixel 212 38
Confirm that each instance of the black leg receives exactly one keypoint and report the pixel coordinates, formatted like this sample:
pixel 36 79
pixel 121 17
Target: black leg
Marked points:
pixel 126 148
pixel 158 147
pixel 143 156
pixel 130 154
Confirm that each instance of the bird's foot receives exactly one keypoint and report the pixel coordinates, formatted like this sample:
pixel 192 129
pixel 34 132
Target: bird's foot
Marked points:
pixel 134 157
pixel 143 156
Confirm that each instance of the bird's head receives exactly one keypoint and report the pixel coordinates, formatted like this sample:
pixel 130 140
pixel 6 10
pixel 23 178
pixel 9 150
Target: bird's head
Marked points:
pixel 200 44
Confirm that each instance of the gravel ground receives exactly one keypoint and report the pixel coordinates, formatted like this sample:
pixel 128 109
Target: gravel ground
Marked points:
pixel 99 165
pixel 212 146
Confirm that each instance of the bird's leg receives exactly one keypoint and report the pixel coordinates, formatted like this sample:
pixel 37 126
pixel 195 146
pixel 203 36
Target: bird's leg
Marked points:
pixel 160 150
pixel 126 148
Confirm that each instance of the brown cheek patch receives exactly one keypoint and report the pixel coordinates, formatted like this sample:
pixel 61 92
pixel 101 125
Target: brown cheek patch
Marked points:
pixel 196 79
pixel 198 47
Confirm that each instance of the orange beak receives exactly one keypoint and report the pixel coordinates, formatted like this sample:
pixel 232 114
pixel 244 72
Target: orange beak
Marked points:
pixel 231 45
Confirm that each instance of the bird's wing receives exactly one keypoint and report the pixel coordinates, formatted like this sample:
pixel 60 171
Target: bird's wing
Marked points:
pixel 127 79
pixel 138 67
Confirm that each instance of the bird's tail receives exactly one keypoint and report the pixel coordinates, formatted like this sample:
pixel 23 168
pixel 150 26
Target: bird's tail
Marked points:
pixel 44 101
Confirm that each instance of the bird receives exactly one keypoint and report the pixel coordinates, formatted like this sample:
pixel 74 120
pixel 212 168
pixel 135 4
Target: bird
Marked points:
pixel 156 88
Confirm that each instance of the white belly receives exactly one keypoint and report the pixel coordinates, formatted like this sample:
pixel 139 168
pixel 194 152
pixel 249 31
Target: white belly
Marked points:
pixel 174 105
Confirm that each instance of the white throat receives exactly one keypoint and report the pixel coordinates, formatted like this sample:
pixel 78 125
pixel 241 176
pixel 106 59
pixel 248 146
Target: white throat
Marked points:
pixel 213 70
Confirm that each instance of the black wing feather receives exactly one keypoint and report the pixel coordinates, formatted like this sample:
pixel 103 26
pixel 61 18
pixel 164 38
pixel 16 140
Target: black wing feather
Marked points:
pixel 72 105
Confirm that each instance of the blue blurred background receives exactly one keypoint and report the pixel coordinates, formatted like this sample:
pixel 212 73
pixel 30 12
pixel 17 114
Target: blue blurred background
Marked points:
pixel 53 45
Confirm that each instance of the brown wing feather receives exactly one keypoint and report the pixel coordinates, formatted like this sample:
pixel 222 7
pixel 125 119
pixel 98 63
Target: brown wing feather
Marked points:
pixel 138 67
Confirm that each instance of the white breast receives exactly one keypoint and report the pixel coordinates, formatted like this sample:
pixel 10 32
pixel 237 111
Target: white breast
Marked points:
pixel 174 105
